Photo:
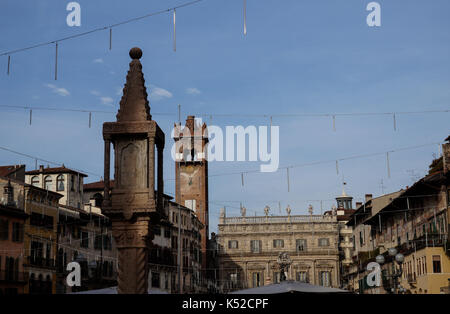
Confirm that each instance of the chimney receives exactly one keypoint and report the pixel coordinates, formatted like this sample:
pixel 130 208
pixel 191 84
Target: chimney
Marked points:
pixel 41 168
pixel 368 197
pixel 358 204
pixel 446 155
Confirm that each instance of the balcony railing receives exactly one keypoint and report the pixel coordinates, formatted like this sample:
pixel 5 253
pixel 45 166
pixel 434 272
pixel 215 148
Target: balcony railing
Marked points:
pixel 40 261
pixel 278 219
pixel 19 277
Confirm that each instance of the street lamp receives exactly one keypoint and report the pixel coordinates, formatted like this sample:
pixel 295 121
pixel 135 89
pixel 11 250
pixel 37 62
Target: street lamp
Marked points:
pixel 399 258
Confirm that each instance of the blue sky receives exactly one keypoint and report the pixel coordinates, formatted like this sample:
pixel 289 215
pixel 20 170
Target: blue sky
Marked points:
pixel 298 57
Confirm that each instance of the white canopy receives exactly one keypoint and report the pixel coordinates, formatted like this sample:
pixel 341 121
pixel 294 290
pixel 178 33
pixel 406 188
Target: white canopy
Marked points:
pixel 289 287
pixel 113 290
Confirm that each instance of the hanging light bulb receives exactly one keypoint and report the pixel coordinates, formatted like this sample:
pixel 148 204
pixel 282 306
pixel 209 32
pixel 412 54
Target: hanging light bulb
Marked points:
pixel 56 61
pixel 245 17
pixel 174 30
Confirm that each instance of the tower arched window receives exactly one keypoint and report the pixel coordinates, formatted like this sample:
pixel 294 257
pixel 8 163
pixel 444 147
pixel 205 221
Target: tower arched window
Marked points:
pixel 48 183
pixel 35 181
pixel 60 183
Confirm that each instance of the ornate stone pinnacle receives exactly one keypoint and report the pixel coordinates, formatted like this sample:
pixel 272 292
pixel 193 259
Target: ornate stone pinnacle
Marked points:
pixel 134 105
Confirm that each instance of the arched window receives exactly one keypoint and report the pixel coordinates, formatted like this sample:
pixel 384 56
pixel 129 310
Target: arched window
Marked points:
pixel 98 199
pixel 60 183
pixel 72 183
pixel 35 181
pixel 48 183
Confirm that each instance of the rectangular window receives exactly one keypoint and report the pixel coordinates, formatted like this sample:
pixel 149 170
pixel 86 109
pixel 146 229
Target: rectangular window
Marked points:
pixel 233 244
pixel 255 246
pixel 301 245
pixel 302 276
pixel 361 239
pixel 324 242
pixel 436 263
pixel 278 243
pixel 155 280
pixel 98 242
pixel 84 240
pixel 4 229
pixel 17 235
pixel 167 233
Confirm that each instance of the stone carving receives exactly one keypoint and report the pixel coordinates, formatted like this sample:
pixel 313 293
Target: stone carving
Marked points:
pixel 284 261
pixel 266 210
pixel 288 210
pixel 243 211
pixel 310 209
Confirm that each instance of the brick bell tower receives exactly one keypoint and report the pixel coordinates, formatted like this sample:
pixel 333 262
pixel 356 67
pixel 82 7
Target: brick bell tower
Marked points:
pixel 191 173
pixel 132 205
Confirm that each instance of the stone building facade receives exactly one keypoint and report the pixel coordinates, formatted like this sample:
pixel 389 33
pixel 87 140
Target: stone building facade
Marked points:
pixel 40 234
pixel 12 221
pixel 67 182
pixel 249 248
pixel 414 221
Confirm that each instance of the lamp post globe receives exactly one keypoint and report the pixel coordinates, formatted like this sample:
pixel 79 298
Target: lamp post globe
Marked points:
pixel 392 251
pixel 379 259
pixel 399 258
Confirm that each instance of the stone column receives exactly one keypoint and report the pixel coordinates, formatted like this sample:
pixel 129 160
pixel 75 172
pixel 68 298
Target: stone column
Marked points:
pixel 131 242
pixel 160 183
pixel 151 167
pixel 107 169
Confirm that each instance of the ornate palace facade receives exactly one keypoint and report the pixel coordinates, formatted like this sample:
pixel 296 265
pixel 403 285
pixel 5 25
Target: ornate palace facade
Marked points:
pixel 249 248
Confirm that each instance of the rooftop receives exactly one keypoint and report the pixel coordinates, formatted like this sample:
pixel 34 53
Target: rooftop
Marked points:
pixel 55 170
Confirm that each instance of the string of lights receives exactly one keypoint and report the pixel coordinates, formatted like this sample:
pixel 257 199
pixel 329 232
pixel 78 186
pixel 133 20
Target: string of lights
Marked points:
pixel 103 28
pixel 243 115
pixel 241 172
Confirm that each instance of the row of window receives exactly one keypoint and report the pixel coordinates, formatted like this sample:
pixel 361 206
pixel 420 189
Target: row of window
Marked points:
pixel 98 240
pixel 156 229
pixel 60 182
pixel 41 220
pixel 302 276
pixel 17 231
pixel 256 245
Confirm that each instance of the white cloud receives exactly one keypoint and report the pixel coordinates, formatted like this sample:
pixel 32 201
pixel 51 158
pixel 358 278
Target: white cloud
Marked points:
pixel 95 92
pixel 119 91
pixel 193 91
pixel 106 100
pixel 157 93
pixel 98 60
pixel 58 90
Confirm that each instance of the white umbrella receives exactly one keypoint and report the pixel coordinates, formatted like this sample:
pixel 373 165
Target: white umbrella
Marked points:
pixel 289 287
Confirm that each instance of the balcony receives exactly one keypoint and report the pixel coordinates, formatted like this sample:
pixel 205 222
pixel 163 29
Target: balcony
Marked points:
pixel 38 261
pixel 13 277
